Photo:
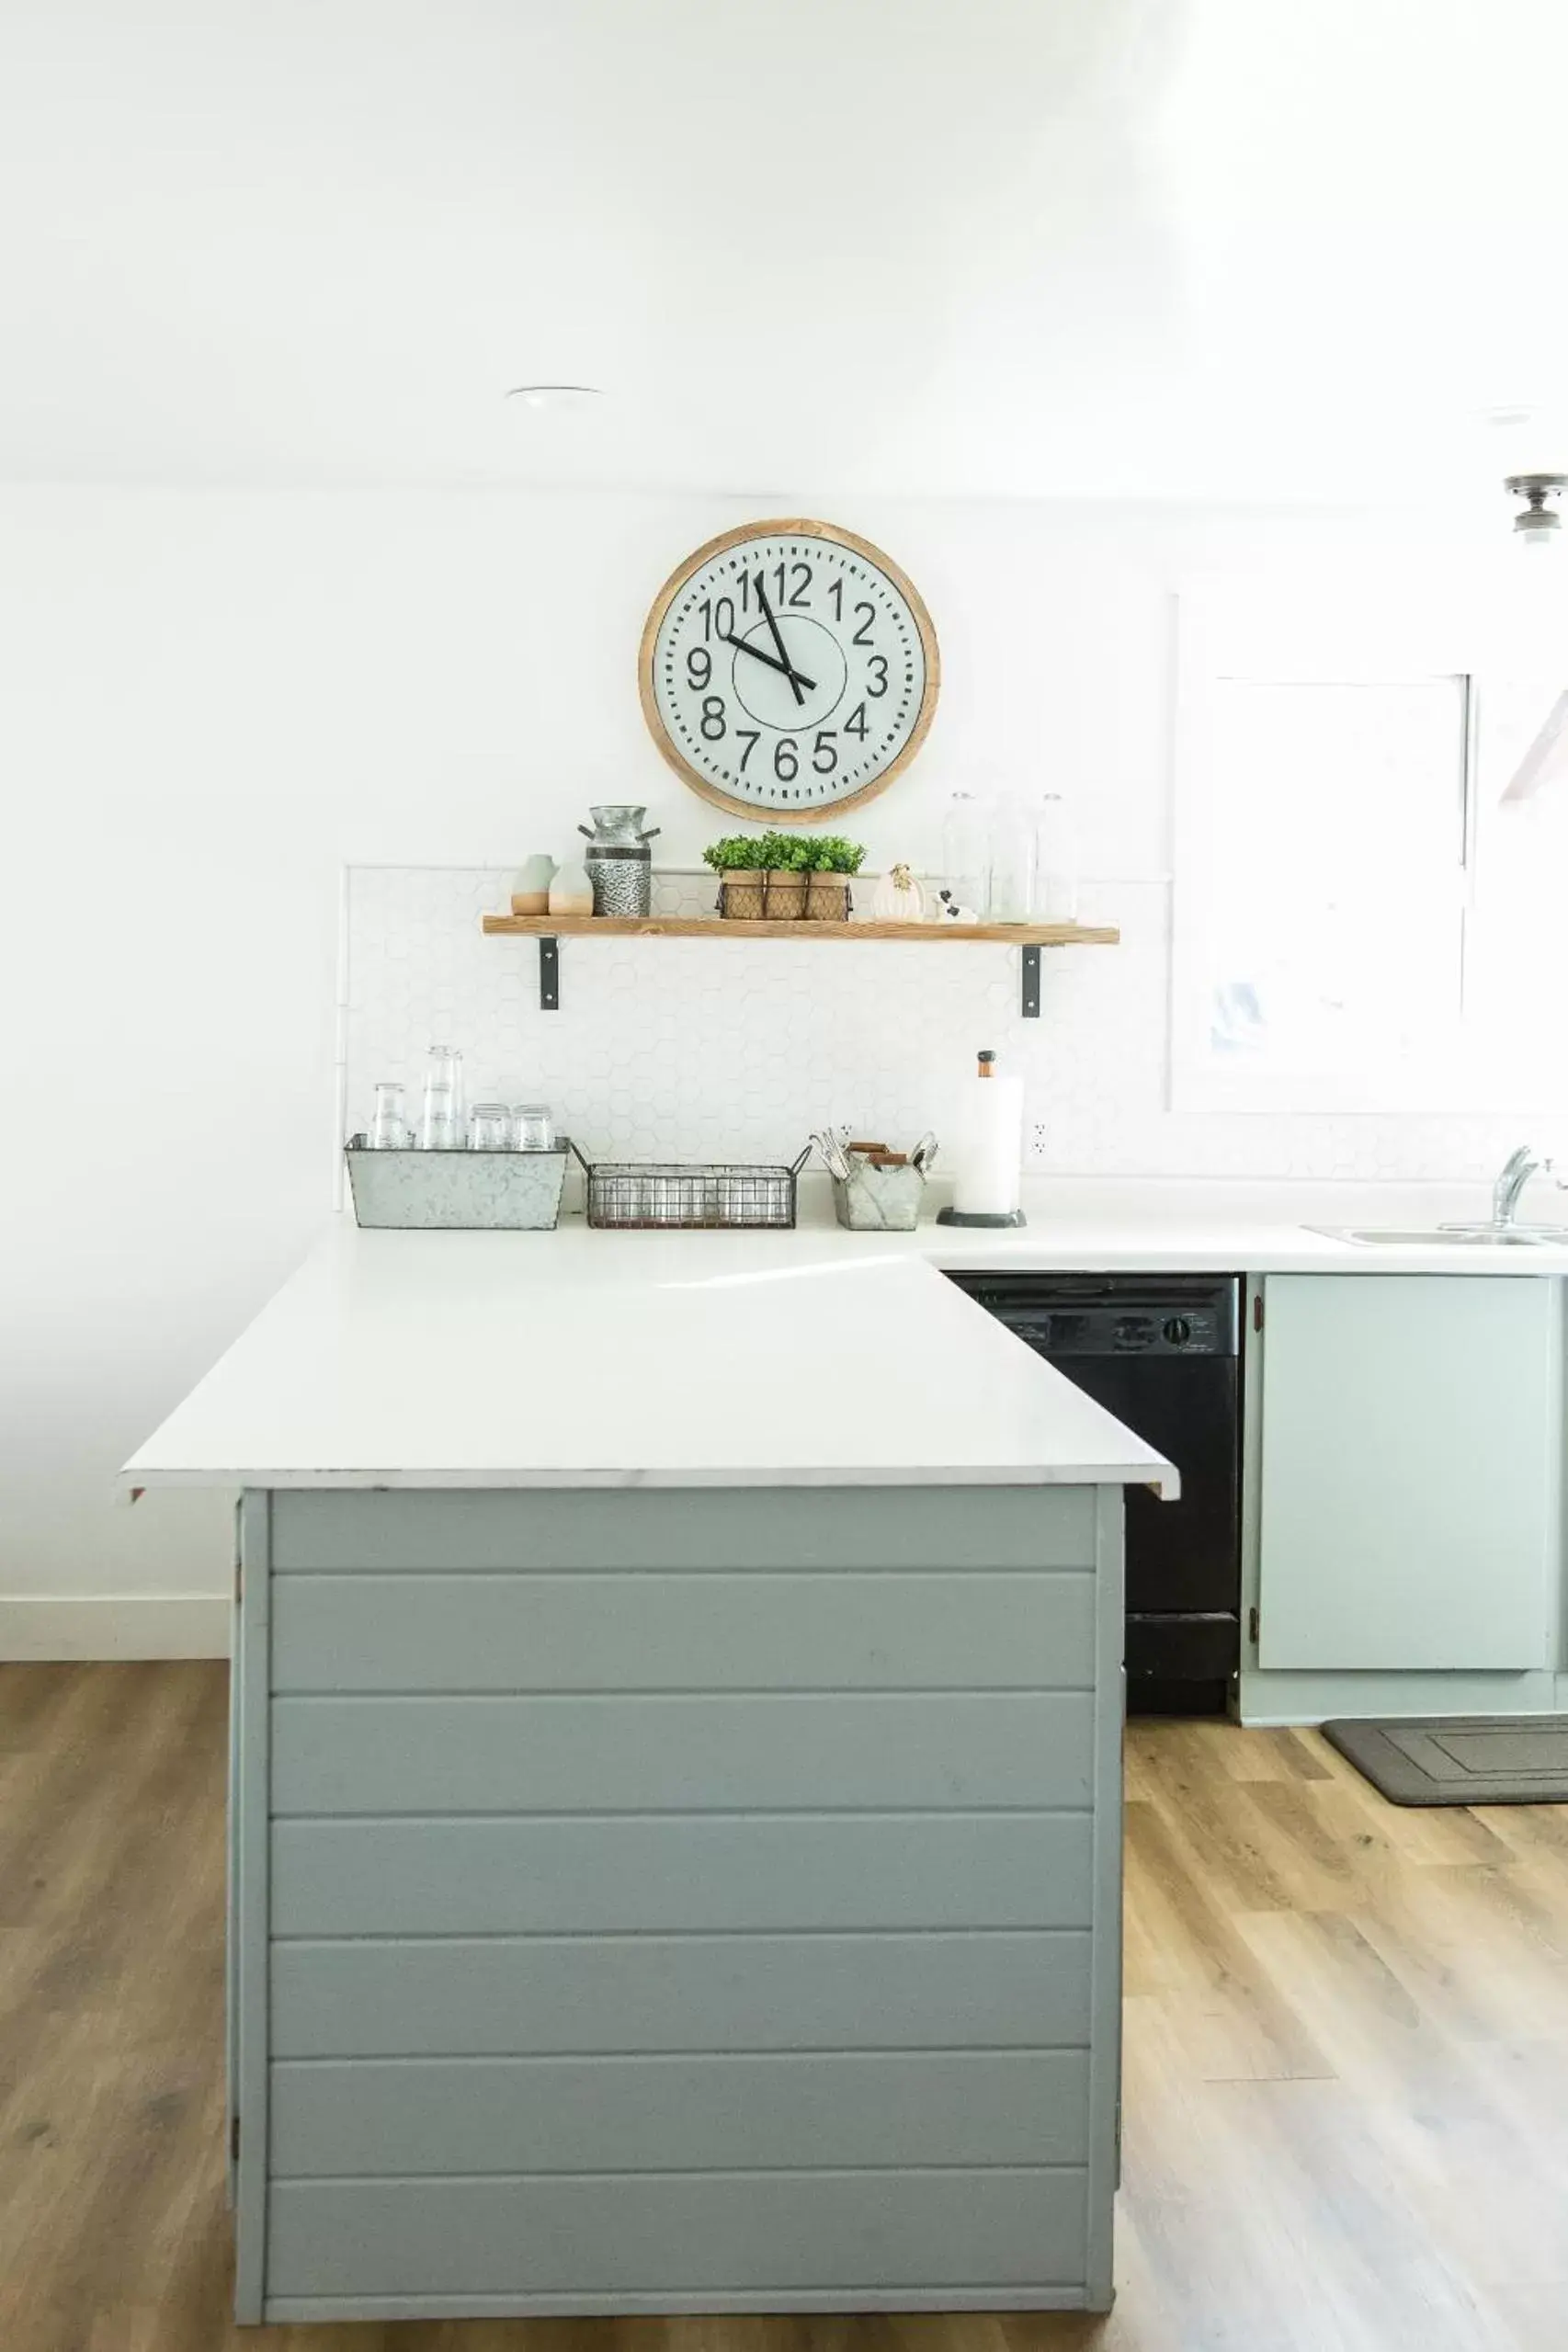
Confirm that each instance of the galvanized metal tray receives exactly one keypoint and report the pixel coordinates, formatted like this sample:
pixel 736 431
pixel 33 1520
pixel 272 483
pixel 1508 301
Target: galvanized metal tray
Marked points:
pixel 457 1191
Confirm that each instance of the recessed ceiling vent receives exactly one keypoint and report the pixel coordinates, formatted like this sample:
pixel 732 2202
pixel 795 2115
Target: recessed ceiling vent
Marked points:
pixel 555 395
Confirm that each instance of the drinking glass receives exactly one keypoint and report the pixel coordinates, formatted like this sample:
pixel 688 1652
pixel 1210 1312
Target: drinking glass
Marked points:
pixel 389 1128
pixel 490 1128
pixel 535 1129
pixel 442 1120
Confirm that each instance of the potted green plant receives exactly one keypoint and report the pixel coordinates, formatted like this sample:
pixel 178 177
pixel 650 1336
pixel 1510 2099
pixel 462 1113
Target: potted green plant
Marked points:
pixel 742 884
pixel 833 861
pixel 786 857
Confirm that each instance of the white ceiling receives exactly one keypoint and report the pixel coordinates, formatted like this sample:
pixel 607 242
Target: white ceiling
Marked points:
pixel 1143 247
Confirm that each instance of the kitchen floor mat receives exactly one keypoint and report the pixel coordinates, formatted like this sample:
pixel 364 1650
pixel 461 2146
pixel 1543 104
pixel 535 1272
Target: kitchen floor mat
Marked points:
pixel 1460 1759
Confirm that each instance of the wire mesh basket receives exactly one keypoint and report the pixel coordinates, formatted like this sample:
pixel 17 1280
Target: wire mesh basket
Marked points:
pixel 703 1196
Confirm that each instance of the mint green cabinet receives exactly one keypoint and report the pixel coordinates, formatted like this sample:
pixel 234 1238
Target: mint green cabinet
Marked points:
pixel 1410 1515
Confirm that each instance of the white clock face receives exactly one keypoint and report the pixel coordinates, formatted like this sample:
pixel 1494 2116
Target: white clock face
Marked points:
pixel 790 672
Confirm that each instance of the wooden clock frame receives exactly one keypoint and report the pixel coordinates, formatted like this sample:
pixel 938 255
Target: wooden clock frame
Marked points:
pixel 672 588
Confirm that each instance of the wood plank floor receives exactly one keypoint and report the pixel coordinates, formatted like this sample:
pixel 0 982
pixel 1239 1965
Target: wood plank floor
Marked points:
pixel 1346 2086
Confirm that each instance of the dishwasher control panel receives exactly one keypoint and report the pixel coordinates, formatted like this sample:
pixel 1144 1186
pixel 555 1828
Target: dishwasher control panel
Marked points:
pixel 1082 1316
pixel 1106 1333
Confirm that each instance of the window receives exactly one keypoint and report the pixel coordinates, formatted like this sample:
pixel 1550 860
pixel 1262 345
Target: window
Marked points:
pixel 1364 913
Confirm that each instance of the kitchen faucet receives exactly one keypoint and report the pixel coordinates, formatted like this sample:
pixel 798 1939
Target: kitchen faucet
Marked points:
pixel 1516 1173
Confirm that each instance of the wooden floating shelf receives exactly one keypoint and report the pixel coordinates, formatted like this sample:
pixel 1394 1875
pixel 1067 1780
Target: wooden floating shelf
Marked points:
pixel 659 927
pixel 551 930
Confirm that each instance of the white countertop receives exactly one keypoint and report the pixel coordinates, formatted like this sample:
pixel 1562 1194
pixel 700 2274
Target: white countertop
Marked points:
pixel 607 1359
pixel 1181 1225
pixel 815 1357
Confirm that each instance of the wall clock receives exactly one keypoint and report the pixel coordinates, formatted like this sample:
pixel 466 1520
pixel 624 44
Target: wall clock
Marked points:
pixel 790 670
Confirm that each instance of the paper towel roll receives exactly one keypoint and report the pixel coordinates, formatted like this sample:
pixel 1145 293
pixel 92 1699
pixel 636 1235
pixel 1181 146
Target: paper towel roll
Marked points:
pixel 991 1148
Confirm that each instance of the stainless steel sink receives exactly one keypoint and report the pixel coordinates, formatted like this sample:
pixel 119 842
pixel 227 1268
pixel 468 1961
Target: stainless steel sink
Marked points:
pixel 1447 1236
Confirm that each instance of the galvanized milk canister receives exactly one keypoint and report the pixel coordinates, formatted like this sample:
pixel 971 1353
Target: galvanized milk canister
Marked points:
pixel 619 862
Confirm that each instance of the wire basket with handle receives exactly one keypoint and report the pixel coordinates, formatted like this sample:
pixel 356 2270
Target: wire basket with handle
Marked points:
pixel 702 1196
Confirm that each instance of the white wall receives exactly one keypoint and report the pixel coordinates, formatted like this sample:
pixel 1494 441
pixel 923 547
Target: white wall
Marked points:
pixel 210 703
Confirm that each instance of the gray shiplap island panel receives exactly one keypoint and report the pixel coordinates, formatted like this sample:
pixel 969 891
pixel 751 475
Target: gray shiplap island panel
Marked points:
pixel 663 1872
pixel 781 2111
pixel 679 1900
pixel 609 1631
pixel 391 1996
pixel 739 2238
pixel 661 1530
pixel 691 1752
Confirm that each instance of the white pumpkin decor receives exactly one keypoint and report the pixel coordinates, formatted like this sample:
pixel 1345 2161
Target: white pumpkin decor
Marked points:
pixel 897 898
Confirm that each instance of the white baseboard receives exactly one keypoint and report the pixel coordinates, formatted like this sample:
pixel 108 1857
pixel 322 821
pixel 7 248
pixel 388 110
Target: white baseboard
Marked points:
pixel 1282 1698
pixel 114 1625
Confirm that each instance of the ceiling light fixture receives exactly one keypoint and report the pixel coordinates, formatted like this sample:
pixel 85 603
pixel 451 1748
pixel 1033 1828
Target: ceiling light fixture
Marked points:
pixel 1536 524
pixel 555 395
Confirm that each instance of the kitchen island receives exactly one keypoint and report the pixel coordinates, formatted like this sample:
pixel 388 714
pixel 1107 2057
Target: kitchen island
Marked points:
pixel 676 1784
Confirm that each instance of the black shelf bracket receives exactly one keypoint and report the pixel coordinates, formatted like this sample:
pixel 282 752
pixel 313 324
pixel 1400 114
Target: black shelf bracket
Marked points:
pixel 548 973
pixel 1031 983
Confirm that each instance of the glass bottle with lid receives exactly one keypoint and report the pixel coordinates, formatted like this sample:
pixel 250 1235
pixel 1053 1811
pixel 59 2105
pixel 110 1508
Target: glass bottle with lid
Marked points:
pixel 1012 862
pixel 1056 861
pixel 966 853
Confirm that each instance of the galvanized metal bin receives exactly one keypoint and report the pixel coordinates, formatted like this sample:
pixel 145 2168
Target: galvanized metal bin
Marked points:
pixel 879 1200
pixel 457 1191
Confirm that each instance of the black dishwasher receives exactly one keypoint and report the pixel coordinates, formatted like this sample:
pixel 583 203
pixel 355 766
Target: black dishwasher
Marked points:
pixel 1163 1353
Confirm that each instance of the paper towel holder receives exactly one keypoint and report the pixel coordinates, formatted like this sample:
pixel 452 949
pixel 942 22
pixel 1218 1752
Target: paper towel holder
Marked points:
pixel 993 1219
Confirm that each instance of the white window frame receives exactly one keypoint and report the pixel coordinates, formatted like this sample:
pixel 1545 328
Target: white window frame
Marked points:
pixel 1318 634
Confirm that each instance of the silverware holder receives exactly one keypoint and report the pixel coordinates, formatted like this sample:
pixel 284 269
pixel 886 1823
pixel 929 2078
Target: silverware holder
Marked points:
pixel 879 1200
pixel 707 1196
pixel 466 1192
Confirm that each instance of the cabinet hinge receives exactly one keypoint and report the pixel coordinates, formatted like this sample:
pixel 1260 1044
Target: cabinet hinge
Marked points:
pixel 1252 1625
pixel 234 2138
pixel 1258 1311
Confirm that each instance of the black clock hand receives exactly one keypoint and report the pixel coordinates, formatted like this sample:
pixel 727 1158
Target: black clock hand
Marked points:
pixel 777 639
pixel 796 678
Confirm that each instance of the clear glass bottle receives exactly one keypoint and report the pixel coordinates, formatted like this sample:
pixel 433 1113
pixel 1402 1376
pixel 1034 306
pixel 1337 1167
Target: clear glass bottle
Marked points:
pixel 966 853
pixel 1012 830
pixel 389 1127
pixel 1056 861
pixel 441 1121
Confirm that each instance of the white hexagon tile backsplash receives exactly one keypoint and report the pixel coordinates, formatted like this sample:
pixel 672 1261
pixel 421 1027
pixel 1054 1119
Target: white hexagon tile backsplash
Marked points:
pixel 686 1049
